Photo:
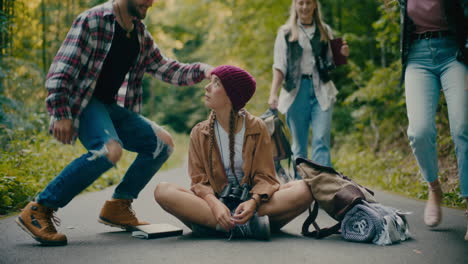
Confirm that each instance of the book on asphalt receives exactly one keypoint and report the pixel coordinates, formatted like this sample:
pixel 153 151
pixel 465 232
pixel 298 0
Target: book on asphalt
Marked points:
pixel 156 231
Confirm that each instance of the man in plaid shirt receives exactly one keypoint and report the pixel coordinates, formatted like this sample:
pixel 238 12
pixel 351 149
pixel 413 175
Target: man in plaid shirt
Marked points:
pixel 95 94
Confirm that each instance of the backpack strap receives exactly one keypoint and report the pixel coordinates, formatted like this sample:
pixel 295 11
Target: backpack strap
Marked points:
pixel 310 220
pixel 325 232
pixel 277 141
pixel 319 232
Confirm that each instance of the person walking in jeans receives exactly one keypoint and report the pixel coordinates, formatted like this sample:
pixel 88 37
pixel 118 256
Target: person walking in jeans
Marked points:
pixel 95 94
pixel 434 46
pixel 302 59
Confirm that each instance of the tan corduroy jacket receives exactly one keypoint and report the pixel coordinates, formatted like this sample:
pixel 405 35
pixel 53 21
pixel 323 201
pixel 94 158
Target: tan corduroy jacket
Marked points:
pixel 258 167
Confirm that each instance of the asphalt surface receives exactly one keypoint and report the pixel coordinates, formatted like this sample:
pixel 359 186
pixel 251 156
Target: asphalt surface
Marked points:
pixel 92 242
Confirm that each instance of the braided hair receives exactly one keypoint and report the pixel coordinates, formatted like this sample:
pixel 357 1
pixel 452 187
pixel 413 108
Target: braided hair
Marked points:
pixel 233 116
pixel 212 120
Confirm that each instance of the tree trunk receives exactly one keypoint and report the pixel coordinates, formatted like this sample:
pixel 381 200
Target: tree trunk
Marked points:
pixel 340 18
pixel 7 13
pixel 2 31
pixel 44 37
pixel 383 59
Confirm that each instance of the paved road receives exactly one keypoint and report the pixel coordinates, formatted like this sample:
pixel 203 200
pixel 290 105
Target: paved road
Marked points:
pixel 91 242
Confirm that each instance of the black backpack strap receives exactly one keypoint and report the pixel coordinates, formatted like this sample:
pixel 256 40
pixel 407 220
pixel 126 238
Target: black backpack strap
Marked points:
pixel 325 232
pixel 319 232
pixel 310 220
pixel 277 142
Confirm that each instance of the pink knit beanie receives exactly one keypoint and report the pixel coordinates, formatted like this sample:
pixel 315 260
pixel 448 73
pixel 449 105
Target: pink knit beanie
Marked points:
pixel 238 83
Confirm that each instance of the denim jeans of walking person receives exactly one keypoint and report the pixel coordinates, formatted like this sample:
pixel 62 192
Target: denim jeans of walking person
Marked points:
pixel 304 113
pixel 432 67
pixel 99 124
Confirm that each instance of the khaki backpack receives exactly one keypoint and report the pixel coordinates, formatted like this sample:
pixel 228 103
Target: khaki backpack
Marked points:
pixel 281 146
pixel 335 193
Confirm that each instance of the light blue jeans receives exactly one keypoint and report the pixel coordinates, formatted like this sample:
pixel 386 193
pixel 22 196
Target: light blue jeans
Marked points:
pixel 432 68
pixel 100 123
pixel 305 112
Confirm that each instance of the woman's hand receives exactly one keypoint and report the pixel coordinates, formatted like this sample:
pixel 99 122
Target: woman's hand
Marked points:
pixel 273 101
pixel 222 215
pixel 275 86
pixel 345 49
pixel 244 212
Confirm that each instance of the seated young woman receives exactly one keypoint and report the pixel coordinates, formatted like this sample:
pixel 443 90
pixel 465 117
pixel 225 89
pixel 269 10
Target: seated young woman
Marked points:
pixel 230 152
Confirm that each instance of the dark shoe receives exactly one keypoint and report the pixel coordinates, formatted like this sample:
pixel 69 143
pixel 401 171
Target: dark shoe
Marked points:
pixel 36 220
pixel 204 231
pixel 258 227
pixel 119 213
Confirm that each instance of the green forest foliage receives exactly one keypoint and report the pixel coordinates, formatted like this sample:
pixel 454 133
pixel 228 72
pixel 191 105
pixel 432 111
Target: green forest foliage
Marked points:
pixel 369 125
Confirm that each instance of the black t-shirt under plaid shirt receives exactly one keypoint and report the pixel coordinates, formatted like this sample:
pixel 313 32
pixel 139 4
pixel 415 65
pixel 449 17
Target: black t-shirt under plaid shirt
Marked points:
pixel 121 57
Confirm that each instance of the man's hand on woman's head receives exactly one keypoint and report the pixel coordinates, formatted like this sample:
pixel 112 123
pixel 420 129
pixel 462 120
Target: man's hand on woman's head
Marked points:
pixel 208 72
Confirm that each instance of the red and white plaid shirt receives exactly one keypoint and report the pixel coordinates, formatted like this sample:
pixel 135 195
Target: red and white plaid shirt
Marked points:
pixel 76 67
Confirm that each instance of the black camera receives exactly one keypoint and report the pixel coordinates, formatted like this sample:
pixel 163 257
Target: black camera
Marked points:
pixel 233 195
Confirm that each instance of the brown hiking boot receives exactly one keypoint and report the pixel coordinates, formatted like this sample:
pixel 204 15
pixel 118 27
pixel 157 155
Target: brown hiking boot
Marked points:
pixel 36 220
pixel 119 213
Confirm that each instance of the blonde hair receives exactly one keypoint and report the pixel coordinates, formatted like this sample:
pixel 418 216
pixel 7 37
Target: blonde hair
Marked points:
pixel 292 26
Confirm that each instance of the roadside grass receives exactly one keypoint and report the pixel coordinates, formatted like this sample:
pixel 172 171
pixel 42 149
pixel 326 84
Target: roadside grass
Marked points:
pixel 28 163
pixel 395 169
